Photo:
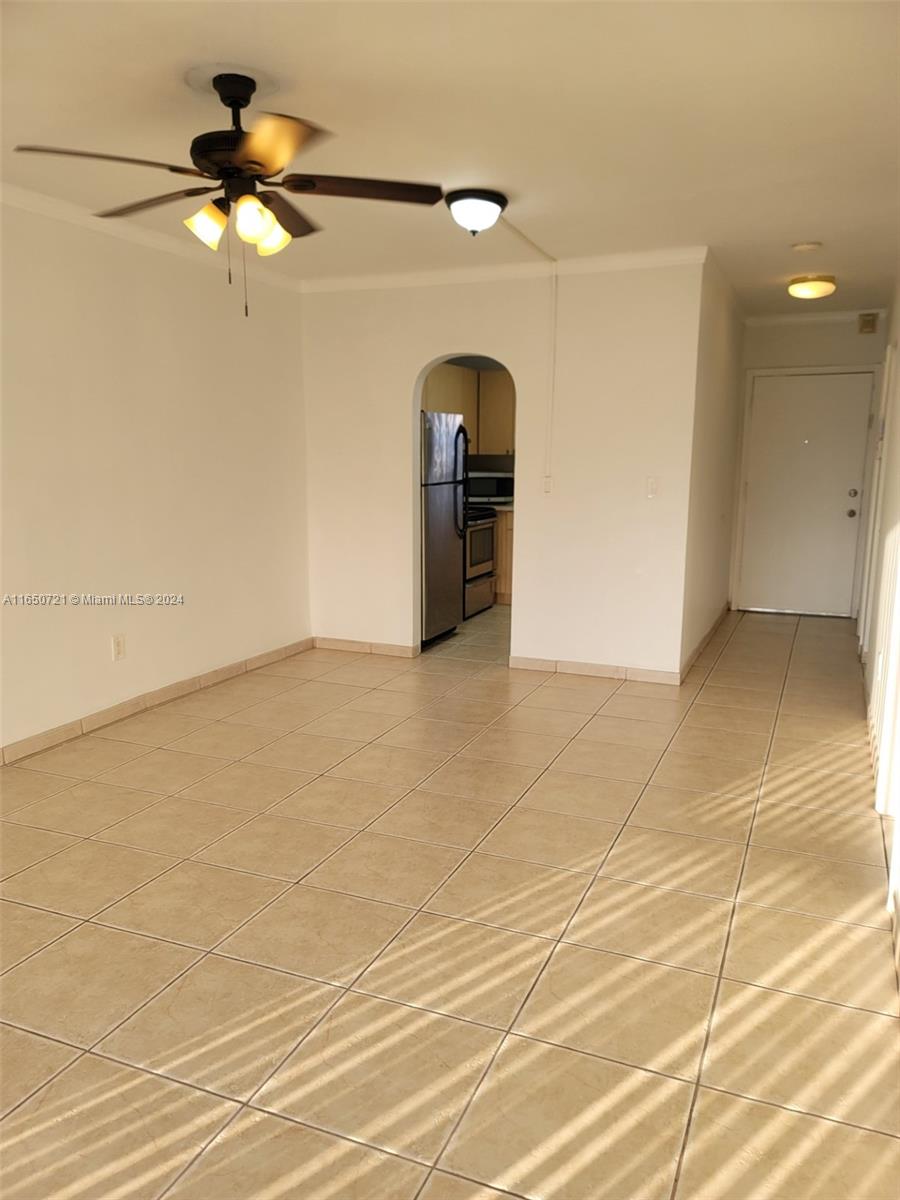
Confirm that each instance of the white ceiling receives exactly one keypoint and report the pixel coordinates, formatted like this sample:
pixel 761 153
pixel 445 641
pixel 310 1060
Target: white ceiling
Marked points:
pixel 613 127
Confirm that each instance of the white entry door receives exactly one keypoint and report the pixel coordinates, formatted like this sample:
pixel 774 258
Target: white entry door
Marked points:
pixel 806 450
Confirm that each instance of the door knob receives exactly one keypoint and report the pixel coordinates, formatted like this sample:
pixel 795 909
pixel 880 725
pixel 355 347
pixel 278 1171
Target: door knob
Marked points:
pixel 853 492
pixel 851 512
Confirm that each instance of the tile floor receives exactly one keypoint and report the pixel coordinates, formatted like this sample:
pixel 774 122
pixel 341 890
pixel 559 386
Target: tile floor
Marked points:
pixel 352 927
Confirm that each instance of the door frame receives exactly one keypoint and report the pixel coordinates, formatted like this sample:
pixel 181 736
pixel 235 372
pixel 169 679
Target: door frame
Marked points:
pixel 737 550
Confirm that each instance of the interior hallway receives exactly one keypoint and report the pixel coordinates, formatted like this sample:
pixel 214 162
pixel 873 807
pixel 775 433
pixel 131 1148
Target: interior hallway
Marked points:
pixel 357 927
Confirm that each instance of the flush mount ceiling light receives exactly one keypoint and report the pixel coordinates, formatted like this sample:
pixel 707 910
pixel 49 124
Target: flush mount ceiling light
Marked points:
pixel 475 209
pixel 237 161
pixel 805 247
pixel 812 287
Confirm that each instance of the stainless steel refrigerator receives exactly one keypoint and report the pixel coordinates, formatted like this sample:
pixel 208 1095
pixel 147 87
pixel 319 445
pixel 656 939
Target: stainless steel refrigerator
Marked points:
pixel 444 453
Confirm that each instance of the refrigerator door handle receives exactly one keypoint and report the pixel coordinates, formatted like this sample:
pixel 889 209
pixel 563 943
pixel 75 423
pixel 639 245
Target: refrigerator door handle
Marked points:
pixel 459 481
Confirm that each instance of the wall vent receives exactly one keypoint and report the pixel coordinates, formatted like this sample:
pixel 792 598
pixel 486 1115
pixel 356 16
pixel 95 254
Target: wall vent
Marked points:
pixel 868 322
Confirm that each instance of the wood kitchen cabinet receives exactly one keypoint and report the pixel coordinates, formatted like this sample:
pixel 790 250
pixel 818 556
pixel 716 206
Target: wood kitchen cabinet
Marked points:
pixel 496 413
pixel 454 389
pixel 503 557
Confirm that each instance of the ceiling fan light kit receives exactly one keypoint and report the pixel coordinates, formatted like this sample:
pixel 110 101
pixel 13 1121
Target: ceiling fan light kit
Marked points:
pixel 475 209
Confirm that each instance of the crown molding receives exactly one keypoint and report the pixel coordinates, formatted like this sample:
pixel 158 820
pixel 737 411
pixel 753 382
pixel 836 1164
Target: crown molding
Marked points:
pixel 826 318
pixel 73 214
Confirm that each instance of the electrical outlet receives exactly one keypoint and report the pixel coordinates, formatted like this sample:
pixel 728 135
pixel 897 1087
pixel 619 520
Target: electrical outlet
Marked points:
pixel 118 646
pixel 651 487
pixel 548 483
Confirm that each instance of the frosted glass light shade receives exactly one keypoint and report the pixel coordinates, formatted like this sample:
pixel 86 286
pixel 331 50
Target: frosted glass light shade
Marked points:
pixel 273 242
pixel 253 221
pixel 812 287
pixel 475 209
pixel 208 224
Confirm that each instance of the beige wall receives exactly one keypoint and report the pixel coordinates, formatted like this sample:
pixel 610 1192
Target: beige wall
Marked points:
pixel 714 460
pixel 599 567
pixel 447 388
pixel 152 441
pixel 805 341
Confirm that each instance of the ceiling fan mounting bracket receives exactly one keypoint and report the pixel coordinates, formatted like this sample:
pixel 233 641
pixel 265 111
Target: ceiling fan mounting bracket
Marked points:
pixel 235 91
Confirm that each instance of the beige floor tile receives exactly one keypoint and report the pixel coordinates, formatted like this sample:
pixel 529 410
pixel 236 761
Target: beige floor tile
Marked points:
pixel 768 681
pixel 209 703
pixel 19 787
pixel 21 846
pixel 826 960
pixel 480 713
pixel 668 927
pixel 442 737
pixel 680 770
pixel 555 722
pixel 84 757
pixel 284 712
pixel 641 1013
pixel 24 930
pixel 332 695
pixel 153 728
pixel 818 789
pixel 326 935
pixel 193 903
pixel 223 1025
pixel 429 817
pixel 26 1062
pixel 702 814
pixel 346 802
pixel 750 1151
pixel 582 795
pixel 609 761
pixel 559 1125
pixel 391 869
pixel 424 686
pixel 737 720
pixel 115 971
pixel 84 809
pixel 623 731
pixel 362 674
pixel 732 697
pixel 84 878
pixel 175 826
pixel 672 860
pixel 305 752
pixel 253 687
pixel 249 787
pixel 391 766
pixel 335 658
pixel 822 729
pixel 351 725
pixel 639 708
pixel 280 847
pixel 264 1156
pixel 552 839
pixel 515 746
pixel 164 771
pixel 226 739
pixel 852 837
pixel 116 1132
pixel 821 756
pixel 297 667
pixel 440 964
pixel 451 1187
pixel 559 699
pixel 429 664
pixel 721 743
pixel 659 691
pixel 813 705
pixel 804 1054
pixel 595 686
pixel 513 894
pixel 390 704
pixel 819 887
pixel 392 1076
pixel 480 779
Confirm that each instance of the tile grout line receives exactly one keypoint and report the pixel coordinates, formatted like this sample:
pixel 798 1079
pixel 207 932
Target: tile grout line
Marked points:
pixel 679 1165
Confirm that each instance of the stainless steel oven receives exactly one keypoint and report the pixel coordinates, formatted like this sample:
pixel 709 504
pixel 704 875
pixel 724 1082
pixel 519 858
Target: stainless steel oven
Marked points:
pixel 480 544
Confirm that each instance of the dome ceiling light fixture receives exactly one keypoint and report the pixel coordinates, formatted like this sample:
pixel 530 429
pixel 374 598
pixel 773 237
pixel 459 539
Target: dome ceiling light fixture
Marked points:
pixel 812 287
pixel 806 247
pixel 475 209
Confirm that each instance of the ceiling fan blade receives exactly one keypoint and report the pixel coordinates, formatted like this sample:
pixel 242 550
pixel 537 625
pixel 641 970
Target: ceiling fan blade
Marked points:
pixel 274 141
pixel 138 162
pixel 364 189
pixel 290 219
pixel 139 205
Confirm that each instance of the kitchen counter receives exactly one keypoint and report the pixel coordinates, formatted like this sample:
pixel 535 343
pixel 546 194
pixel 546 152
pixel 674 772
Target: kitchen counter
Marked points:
pixel 503 554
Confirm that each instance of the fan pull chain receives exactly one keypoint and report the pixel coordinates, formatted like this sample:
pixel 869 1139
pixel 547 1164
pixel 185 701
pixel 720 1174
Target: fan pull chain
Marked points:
pixel 228 248
pixel 244 260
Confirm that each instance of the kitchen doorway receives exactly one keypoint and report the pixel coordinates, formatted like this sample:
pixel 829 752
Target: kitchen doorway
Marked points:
pixel 803 500
pixel 466 425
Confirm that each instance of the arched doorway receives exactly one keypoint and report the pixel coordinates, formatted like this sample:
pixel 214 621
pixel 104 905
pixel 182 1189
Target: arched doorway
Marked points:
pixel 466 420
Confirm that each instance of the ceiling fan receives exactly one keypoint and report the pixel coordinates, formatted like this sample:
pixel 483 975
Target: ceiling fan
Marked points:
pixel 241 163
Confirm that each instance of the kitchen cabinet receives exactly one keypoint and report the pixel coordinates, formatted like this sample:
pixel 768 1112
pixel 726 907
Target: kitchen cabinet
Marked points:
pixel 454 389
pixel 503 557
pixel 496 413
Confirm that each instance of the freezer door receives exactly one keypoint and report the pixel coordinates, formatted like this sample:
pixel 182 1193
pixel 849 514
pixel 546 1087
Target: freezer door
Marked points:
pixel 442 561
pixel 443 448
